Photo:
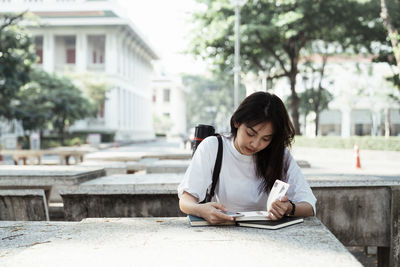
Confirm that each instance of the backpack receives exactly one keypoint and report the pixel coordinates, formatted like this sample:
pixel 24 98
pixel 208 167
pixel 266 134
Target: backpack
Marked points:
pixel 201 132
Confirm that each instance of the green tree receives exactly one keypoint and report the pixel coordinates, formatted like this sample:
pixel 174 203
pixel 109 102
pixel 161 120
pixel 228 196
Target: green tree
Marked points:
pixel 390 50
pixel 392 28
pixel 16 59
pixel 52 100
pixel 210 100
pixel 274 34
pixel 95 89
pixel 316 97
pixel 34 108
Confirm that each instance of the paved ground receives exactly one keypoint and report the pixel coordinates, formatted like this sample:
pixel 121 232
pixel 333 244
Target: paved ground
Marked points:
pixel 322 160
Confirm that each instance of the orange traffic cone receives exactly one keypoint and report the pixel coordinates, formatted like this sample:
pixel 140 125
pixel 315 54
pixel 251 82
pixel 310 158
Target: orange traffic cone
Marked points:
pixel 357 156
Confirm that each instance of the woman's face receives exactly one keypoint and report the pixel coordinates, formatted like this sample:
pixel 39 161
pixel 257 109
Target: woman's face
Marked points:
pixel 250 140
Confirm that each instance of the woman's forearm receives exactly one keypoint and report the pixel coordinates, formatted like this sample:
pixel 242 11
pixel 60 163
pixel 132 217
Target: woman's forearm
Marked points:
pixel 210 211
pixel 189 204
pixel 303 209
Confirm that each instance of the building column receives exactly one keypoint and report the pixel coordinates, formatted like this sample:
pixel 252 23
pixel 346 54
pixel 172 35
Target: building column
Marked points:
pixel 111 53
pixel 81 52
pixel 346 122
pixel 48 52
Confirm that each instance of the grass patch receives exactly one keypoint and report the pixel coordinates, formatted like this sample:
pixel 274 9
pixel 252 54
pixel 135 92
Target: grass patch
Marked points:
pixel 364 142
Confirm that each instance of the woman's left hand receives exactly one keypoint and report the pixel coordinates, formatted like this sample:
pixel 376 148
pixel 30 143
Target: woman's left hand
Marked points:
pixel 279 208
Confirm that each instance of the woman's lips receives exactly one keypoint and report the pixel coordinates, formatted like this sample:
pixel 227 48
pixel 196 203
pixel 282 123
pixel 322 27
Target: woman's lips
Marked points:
pixel 250 150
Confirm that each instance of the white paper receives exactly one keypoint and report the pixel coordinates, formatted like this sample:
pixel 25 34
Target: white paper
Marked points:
pixel 278 190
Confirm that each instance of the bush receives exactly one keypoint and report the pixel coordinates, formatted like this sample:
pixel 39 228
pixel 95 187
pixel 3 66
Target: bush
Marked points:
pixel 364 142
pixel 72 139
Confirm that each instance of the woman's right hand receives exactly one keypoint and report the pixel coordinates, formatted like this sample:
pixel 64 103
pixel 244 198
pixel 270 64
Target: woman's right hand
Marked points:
pixel 211 212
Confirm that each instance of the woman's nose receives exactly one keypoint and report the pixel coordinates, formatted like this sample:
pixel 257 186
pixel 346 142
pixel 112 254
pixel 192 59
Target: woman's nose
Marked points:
pixel 254 143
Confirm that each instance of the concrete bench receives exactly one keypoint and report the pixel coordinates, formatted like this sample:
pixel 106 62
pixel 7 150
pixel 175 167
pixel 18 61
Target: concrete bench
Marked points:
pixel 50 178
pixel 116 167
pixel 168 166
pixel 178 166
pixel 23 205
pixel 168 242
pixel 35 156
pixel 137 156
pixel 361 211
pixel 134 195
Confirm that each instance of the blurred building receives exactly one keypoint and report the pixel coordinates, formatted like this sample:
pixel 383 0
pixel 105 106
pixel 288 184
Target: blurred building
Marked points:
pixel 361 106
pixel 169 105
pixel 92 36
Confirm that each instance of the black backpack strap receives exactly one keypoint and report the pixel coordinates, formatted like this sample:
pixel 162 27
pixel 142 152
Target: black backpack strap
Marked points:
pixel 217 170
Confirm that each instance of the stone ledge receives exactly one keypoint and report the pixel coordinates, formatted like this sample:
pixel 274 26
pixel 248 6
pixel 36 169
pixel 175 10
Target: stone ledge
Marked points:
pixel 167 242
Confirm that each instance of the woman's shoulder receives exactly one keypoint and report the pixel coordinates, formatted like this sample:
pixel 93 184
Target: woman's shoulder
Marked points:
pixel 210 141
pixel 287 158
pixel 287 153
pixel 213 140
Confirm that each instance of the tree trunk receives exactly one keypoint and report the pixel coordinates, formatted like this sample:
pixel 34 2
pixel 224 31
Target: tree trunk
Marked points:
pixel 393 33
pixel 62 131
pixel 316 123
pixel 387 122
pixel 294 104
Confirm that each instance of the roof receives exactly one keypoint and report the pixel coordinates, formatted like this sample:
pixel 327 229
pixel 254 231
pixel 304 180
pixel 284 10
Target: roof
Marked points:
pixel 80 13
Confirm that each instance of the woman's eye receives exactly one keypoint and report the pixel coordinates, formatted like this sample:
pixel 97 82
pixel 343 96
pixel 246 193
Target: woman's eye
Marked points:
pixel 249 134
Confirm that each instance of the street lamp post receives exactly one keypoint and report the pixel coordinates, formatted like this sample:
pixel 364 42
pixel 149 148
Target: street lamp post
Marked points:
pixel 236 69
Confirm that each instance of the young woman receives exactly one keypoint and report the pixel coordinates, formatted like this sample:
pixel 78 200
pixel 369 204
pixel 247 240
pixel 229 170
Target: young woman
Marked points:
pixel 254 156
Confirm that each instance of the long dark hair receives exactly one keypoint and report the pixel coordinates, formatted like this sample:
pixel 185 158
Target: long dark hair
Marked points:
pixel 261 107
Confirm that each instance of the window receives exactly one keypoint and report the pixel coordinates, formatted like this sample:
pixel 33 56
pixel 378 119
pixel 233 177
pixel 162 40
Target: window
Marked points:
pixel 38 40
pixel 94 58
pixel 39 53
pixel 71 56
pixel 96 47
pixel 166 95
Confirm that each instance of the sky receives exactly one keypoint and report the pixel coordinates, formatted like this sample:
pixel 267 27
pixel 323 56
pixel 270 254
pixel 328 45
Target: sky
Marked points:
pixel 164 24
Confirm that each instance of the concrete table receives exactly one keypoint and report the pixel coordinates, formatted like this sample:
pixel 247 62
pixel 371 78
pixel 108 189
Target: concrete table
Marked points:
pixel 23 205
pixel 51 178
pixel 178 166
pixel 361 210
pixel 137 155
pixel 111 167
pixel 114 156
pixel 167 242
pixel 130 195
pixel 168 166
pixel 35 156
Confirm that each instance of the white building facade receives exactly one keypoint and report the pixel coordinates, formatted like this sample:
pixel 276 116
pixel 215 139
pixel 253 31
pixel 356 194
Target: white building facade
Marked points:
pixel 169 105
pixel 92 37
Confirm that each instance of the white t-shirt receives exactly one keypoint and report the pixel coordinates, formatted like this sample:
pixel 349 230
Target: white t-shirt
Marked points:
pixel 238 186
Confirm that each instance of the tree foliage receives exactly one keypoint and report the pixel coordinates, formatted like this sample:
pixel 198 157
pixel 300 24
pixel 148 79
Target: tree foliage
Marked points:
pixel 274 34
pixel 51 100
pixel 210 100
pixel 95 88
pixel 392 28
pixel 390 52
pixel 316 97
pixel 16 59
